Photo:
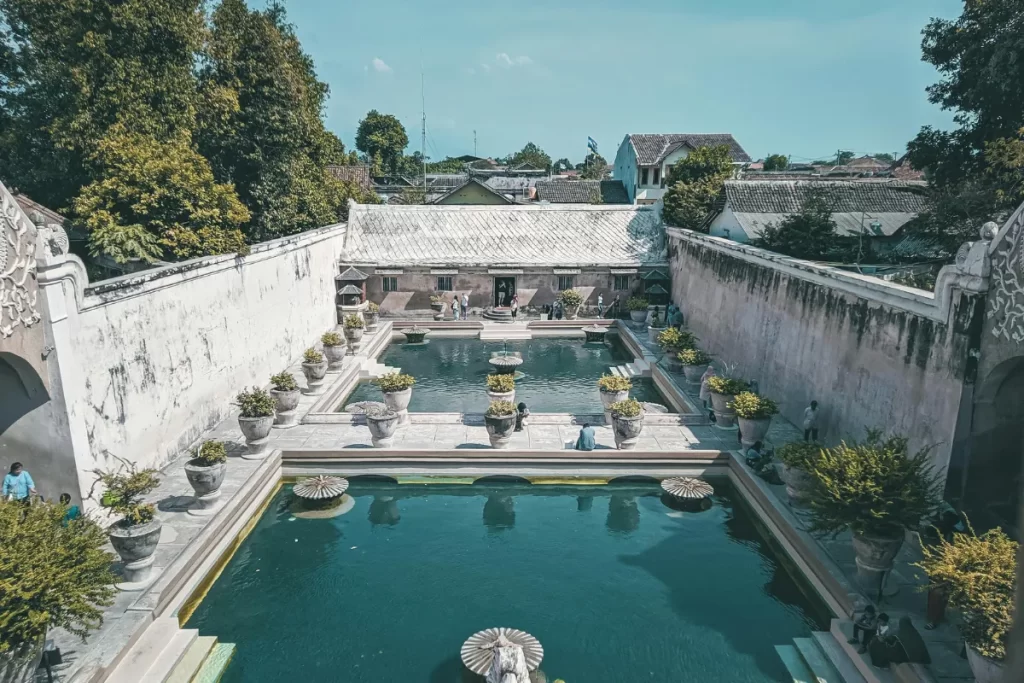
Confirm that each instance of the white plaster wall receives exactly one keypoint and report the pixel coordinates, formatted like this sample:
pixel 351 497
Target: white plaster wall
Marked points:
pixel 727 227
pixel 162 354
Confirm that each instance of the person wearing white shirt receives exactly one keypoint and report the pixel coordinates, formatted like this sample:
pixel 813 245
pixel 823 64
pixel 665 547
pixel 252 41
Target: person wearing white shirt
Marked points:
pixel 811 422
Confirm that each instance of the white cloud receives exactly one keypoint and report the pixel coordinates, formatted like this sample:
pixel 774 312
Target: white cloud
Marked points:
pixel 507 62
pixel 380 66
pixel 504 59
pixel 485 66
pixel 523 60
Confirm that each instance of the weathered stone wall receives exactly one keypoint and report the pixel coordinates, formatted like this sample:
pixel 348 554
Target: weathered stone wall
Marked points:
pixel 870 352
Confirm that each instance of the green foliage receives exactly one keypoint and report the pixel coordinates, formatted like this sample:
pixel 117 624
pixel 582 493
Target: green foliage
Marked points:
pixel 693 356
pixel 210 453
pixel 884 157
pixel 124 490
pixel 371 307
pixel 751 406
pixel 413 195
pixel 562 164
pixel 628 408
pixel 637 303
pixel 501 409
pixel 54 575
pixel 353 321
pixel 702 163
pixel 614 383
pixel 501 383
pixel 378 410
pixel 695 184
pixel 256 402
pixel 980 575
pixel 810 234
pixel 571 298
pixel 312 357
pixel 284 381
pixel 594 167
pixel 531 156
pixel 726 386
pixel 383 137
pixel 331 339
pixel 874 487
pixel 673 339
pixel 776 162
pixel 799 454
pixel 394 381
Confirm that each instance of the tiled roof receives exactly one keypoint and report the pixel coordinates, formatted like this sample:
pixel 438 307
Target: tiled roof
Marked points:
pixel 787 196
pixel 358 174
pixel 652 149
pixel 582 192
pixel 511 184
pixel 523 235
pixel 498 197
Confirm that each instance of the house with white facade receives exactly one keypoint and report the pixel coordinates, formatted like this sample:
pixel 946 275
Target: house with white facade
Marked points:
pixel 644 162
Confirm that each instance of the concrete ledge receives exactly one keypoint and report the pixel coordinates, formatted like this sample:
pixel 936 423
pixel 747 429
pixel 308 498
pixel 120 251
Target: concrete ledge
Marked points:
pixel 510 457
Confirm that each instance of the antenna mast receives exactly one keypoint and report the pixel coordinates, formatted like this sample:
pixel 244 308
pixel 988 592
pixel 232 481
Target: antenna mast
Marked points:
pixel 474 143
pixel 423 136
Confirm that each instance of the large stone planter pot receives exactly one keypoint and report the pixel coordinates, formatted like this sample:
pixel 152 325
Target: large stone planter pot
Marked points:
pixel 509 396
pixel 627 431
pixel 653 332
pixel 499 429
pixel 335 356
pixel 752 431
pixel 372 320
pixel 875 555
pixel 20 664
pixel 315 373
pixel 285 403
pixel 398 402
pixel 136 546
pixel 693 373
pixel 256 431
pixel 798 483
pixel 571 313
pixel 610 397
pixel 206 483
pixel 725 417
pixel 354 337
pixel 382 429
pixel 638 316
pixel 985 669
pixel 672 363
pixel 438 310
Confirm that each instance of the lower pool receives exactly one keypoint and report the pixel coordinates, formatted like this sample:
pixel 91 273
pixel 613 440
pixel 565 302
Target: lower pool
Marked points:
pixel 558 375
pixel 617 587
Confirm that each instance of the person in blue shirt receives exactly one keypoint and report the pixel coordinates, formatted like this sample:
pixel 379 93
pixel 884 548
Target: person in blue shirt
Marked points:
pixel 71 512
pixel 587 440
pixel 18 484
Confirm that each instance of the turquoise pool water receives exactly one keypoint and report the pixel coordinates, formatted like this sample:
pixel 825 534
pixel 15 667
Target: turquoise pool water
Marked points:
pixel 558 375
pixel 617 587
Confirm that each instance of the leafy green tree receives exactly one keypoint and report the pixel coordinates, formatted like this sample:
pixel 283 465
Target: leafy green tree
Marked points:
pixel 446 165
pixel 810 234
pixel 884 157
pixel 383 136
pixel 776 162
pixel 703 162
pixel 695 184
pixel 531 156
pixel 562 164
pixel 594 167
pixel 843 156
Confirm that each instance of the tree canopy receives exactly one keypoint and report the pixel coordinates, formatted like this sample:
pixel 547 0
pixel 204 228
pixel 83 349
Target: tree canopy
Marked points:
pixel 531 156
pixel 776 162
pixel 809 234
pixel 594 167
pixel 695 183
pixel 382 138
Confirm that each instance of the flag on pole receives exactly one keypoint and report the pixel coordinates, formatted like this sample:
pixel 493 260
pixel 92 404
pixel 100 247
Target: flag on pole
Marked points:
pixel 592 144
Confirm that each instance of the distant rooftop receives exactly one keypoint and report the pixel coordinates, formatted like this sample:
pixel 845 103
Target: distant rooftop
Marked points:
pixel 653 148
pixel 582 192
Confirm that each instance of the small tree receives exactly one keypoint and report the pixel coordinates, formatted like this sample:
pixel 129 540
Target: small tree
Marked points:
pixel 687 205
pixel 810 234
pixel 776 162
pixel 125 489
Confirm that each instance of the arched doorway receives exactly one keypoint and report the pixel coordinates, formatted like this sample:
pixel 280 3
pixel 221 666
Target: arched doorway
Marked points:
pixel 21 390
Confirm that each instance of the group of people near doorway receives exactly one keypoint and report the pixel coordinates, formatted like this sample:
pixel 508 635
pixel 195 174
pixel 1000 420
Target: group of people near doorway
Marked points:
pixel 555 311
pixel 19 487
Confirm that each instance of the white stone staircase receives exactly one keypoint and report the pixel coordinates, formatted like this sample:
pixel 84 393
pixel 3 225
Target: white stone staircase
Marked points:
pixel 501 332
pixel 819 659
pixel 166 653
pixel 638 368
pixel 372 369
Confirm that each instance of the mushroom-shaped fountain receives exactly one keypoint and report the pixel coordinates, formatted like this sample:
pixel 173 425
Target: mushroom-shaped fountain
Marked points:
pixel 321 497
pixel 505 363
pixel 415 334
pixel 595 333
pixel 500 653
pixel 687 494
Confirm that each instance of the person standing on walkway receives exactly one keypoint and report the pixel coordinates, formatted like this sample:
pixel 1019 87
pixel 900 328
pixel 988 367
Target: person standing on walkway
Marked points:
pixel 455 308
pixel 587 440
pixel 600 305
pixel 465 306
pixel 18 484
pixel 705 391
pixel 811 422
pixel 515 306
pixel 558 310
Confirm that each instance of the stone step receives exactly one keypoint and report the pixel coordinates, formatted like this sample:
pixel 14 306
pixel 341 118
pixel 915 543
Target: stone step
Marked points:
pixel 501 334
pixel 193 660
pixel 842 663
pixel 215 664
pixel 166 662
pixel 819 663
pixel 842 630
pixel 145 652
pixel 795 664
pixel 619 371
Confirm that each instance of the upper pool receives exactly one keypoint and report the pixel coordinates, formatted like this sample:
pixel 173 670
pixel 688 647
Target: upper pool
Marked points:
pixel 617 587
pixel 558 375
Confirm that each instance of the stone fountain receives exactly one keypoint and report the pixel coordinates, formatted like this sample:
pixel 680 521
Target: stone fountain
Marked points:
pixel 415 334
pixel 503 655
pixel 505 363
pixel 687 494
pixel 595 333
pixel 321 497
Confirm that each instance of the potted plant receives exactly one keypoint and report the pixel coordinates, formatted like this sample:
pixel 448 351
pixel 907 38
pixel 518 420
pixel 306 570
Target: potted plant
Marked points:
pixel 614 388
pixel 286 399
pixel 672 341
pixel 334 350
pixel 63 579
pixel 205 474
pixel 694 362
pixel 979 574
pixel 314 367
pixel 794 462
pixel 136 534
pixel 372 316
pixel 438 304
pixel 571 301
pixel 755 416
pixel 382 422
pixel 500 420
pixel 353 326
pixel 877 490
pixel 501 387
pixel 723 390
pixel 255 419
pixel 637 306
pixel 397 390
pixel 627 421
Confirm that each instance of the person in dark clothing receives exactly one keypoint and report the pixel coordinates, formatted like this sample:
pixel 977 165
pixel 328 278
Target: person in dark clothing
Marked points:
pixel 558 310
pixel 864 626
pixel 587 440
pixel 522 412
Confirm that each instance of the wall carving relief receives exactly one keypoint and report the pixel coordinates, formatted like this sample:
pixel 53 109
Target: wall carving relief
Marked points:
pixel 18 305
pixel 1006 296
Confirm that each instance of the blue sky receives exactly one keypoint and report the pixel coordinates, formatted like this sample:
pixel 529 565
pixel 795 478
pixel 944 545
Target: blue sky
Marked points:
pixel 798 77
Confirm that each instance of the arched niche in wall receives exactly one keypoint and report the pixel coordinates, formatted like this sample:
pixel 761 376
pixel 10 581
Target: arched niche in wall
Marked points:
pixel 21 390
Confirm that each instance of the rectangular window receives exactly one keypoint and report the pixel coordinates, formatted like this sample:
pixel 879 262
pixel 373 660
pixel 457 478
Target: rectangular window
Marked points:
pixel 643 177
pixel 621 283
pixel 564 282
pixel 389 284
pixel 444 283
pixel 657 176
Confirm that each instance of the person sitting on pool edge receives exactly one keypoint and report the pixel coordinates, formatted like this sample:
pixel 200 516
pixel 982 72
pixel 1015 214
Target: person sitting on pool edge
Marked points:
pixel 522 412
pixel 587 440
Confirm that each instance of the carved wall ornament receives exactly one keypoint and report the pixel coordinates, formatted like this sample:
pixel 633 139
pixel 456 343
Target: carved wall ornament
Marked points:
pixel 1006 296
pixel 18 306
